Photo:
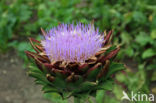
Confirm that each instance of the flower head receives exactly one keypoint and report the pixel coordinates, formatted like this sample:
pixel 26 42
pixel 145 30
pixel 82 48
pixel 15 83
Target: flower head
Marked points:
pixel 71 43
pixel 73 60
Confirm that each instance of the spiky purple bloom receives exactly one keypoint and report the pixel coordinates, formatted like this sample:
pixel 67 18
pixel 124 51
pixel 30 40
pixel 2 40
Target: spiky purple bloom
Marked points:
pixel 71 43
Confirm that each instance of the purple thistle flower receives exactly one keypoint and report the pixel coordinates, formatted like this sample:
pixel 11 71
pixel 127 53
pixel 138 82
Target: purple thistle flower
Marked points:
pixel 74 59
pixel 71 43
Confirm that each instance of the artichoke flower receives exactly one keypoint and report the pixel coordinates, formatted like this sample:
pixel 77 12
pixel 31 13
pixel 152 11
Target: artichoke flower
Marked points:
pixel 73 60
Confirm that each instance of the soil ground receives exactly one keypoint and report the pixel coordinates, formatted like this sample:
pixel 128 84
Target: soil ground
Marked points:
pixel 15 85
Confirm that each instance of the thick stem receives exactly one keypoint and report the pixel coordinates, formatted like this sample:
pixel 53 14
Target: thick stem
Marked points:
pixel 76 100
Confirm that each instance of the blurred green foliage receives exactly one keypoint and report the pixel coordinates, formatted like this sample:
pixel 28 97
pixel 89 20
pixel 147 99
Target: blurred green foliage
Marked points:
pixel 133 22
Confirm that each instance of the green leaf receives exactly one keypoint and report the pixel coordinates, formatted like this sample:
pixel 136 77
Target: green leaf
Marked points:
pixel 148 53
pixel 23 46
pixel 139 17
pixel 143 39
pixel 60 83
pixel 35 69
pixel 82 95
pixel 129 51
pixel 92 74
pixel 127 17
pixel 126 38
pixel 76 83
pixel 39 82
pixel 85 86
pixel 100 96
pixel 106 85
pixel 48 89
pixel 66 94
pixel 118 91
pixel 153 21
pixel 111 99
pixel 113 68
pixel 55 98
pixel 110 49
pixel 39 76
pixel 151 66
pixel 153 34
pixel 120 77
